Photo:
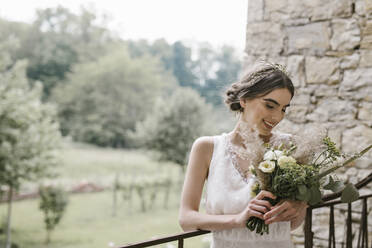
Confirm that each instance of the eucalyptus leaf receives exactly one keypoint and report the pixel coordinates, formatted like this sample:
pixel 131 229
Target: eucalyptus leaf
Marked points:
pixel 349 194
pixel 333 185
pixel 315 195
pixel 303 193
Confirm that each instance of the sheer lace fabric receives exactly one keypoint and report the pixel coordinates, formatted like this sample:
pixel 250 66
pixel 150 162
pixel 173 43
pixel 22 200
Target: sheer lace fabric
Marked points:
pixel 229 193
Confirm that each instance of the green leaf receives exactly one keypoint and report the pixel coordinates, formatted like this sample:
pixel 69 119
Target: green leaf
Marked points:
pixel 335 186
pixel 315 195
pixel 349 194
pixel 303 193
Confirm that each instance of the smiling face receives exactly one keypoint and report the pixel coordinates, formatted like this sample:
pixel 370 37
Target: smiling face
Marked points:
pixel 267 111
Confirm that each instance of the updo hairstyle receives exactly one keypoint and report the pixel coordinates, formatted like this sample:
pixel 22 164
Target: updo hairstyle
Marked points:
pixel 258 83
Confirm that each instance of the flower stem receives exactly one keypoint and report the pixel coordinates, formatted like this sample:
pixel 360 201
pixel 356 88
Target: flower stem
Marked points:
pixel 330 170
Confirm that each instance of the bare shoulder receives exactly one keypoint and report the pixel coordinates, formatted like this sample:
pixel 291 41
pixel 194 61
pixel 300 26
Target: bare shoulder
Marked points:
pixel 203 148
pixel 205 143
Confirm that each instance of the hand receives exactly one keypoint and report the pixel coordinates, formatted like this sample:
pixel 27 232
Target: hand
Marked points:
pixel 257 207
pixel 285 210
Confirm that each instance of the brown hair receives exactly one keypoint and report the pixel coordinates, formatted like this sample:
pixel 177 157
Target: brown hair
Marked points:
pixel 258 83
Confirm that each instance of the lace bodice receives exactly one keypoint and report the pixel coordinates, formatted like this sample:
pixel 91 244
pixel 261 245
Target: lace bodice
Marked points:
pixel 229 193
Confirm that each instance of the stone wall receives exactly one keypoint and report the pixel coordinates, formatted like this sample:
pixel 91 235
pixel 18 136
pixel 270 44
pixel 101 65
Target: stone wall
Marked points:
pixel 327 48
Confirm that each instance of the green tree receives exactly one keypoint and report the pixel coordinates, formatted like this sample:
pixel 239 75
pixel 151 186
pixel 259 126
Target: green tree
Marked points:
pixel 176 58
pixel 29 134
pixel 53 202
pixel 217 70
pixel 103 100
pixel 57 40
pixel 182 65
pixel 174 124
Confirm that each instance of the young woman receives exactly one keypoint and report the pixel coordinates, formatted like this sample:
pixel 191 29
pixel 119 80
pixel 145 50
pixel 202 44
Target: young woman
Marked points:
pixel 261 99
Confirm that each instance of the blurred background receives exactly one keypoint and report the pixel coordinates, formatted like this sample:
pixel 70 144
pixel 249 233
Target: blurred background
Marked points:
pixel 100 102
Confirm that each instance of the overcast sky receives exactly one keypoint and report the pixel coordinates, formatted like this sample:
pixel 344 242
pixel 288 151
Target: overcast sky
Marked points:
pixel 218 22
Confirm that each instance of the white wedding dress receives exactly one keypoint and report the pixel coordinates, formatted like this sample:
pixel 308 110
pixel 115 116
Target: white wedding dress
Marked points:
pixel 228 193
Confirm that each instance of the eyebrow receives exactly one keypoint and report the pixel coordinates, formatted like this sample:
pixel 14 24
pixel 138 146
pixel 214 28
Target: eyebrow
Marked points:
pixel 275 102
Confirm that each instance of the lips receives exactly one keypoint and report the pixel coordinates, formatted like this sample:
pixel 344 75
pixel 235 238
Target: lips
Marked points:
pixel 268 125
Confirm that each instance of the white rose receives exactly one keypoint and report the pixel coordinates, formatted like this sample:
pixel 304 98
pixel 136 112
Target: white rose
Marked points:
pixel 283 160
pixel 273 155
pixel 267 166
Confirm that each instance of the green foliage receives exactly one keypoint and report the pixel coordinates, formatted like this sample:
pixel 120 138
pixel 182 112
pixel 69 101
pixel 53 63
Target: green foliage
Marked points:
pixel 174 124
pixel 55 41
pixel 205 69
pixel 29 134
pixel 53 202
pixel 104 99
pixel 216 69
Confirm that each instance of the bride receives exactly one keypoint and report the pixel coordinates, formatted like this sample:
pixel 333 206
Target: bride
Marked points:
pixel 261 99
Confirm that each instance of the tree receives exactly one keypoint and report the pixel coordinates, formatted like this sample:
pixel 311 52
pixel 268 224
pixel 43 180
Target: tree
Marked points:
pixel 174 124
pixel 53 202
pixel 56 41
pixel 29 134
pixel 217 69
pixel 103 100
pixel 182 65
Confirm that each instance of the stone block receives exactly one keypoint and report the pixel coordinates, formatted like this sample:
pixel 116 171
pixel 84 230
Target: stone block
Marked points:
pixel 346 34
pixel 255 10
pixel 322 70
pixel 356 139
pixel 323 10
pixel 297 113
pixel 360 7
pixel 264 38
pixel 315 9
pixel 368 7
pixel 355 79
pixel 365 111
pixel 350 62
pixel 313 38
pixel 295 66
pixel 366 42
pixel 366 58
pixel 334 110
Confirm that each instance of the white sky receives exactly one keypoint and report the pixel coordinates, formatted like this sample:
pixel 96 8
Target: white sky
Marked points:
pixel 216 21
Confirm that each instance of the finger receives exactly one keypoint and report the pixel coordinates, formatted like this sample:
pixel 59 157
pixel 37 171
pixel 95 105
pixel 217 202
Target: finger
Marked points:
pixel 265 203
pixel 258 208
pixel 264 193
pixel 275 211
pixel 283 216
pixel 253 213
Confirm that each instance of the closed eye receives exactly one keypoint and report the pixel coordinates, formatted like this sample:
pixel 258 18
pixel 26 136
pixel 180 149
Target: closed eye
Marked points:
pixel 269 106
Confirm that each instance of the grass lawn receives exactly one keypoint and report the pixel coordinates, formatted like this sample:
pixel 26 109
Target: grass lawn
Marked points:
pixel 88 221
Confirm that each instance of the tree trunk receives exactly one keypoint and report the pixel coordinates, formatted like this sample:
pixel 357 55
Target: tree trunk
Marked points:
pixel 8 231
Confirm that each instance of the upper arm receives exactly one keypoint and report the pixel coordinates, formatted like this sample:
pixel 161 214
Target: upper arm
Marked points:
pixel 196 173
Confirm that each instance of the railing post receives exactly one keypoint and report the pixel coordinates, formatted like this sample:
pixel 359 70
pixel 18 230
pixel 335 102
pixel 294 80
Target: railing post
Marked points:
pixel 180 243
pixel 308 231
pixel 331 234
pixel 363 228
pixel 349 238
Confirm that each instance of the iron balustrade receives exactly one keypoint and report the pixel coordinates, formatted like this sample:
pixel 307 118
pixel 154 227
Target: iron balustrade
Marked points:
pixel 328 201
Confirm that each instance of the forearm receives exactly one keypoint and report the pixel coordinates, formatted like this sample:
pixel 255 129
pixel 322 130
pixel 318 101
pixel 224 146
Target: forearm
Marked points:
pixel 193 220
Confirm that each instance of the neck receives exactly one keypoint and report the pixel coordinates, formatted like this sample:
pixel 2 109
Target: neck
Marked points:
pixel 237 139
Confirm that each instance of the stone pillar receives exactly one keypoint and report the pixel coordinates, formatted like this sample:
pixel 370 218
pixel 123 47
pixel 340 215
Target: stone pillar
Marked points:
pixel 327 48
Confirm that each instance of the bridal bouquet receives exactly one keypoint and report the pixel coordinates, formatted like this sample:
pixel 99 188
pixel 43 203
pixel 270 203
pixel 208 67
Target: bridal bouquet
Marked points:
pixel 291 172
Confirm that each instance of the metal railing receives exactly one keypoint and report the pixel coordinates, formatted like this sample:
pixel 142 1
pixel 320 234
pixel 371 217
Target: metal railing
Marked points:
pixel 178 237
pixel 329 201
